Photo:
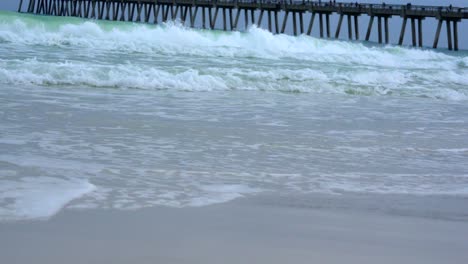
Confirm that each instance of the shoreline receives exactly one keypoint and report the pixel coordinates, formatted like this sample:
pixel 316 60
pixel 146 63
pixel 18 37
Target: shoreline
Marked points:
pixel 240 231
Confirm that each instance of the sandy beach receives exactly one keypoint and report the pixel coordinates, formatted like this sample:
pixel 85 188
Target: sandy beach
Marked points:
pixel 242 231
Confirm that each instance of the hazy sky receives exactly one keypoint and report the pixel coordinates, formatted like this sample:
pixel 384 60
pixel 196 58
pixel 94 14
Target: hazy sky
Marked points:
pixel 429 25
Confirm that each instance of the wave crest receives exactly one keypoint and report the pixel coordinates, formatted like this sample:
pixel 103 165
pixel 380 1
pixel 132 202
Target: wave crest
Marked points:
pixel 71 51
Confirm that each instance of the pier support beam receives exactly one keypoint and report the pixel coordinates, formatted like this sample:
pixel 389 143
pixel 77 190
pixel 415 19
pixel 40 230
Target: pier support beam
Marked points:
pixel 123 6
pixel 51 7
pixel 183 14
pixel 402 32
pixel 437 35
pixel 327 19
pixel 455 34
pixel 294 23
pixel 40 4
pixel 224 19
pixel 203 17
pixel 45 7
pixel 416 38
pixel 350 30
pixel 252 16
pixel 38 7
pixel 269 21
pixel 237 18
pixel 338 27
pixel 246 19
pixel 175 13
pixel 209 17
pixel 20 5
pixel 116 10
pixel 379 28
pixel 108 7
pixel 231 19
pixel 285 20
pixel 369 28
pixel 321 24
pixel 259 22
pixel 420 33
pixel 276 22
pixel 413 31
pixel 31 6
pixel 132 12
pixel 192 22
pixel 387 39
pixel 156 8
pixel 356 27
pixel 301 21
pixel 311 23
pixel 449 35
pixel 213 21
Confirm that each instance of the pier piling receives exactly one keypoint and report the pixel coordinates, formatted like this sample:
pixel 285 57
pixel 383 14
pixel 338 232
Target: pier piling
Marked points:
pixel 285 19
pixel 259 22
pixel 420 37
pixel 449 35
pixel 301 21
pixel 294 23
pixel 276 22
pixel 369 28
pixel 413 31
pixel 338 27
pixel 379 28
pixel 311 24
pixel 356 27
pixel 224 19
pixel 402 32
pixel 237 18
pixel 321 24
pixel 20 5
pixel 350 31
pixel 269 21
pixel 387 39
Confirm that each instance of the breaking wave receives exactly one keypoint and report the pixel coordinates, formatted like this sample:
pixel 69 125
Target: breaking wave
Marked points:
pixel 78 52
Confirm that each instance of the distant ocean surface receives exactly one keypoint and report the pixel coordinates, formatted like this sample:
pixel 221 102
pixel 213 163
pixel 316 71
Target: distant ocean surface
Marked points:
pixel 125 116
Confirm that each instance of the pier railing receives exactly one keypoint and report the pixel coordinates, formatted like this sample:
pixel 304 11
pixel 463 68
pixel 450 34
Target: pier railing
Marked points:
pixel 164 10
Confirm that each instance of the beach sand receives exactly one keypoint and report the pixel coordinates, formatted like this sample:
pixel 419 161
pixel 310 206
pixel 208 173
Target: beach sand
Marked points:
pixel 240 231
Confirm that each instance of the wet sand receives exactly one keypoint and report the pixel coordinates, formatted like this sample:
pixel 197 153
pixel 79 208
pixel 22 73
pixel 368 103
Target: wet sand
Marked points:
pixel 234 232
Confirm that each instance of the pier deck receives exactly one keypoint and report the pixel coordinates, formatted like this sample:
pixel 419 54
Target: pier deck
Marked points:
pixel 157 11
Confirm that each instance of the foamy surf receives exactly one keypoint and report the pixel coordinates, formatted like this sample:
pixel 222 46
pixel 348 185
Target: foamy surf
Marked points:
pixel 127 55
pixel 38 197
pixel 185 125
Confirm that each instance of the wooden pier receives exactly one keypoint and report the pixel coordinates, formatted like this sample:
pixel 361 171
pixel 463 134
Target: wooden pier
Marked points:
pixel 187 11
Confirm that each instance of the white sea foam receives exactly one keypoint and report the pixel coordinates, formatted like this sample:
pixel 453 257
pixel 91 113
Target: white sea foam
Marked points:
pixel 186 189
pixel 213 194
pixel 42 197
pixel 114 54
pixel 38 197
pixel 369 82
pixel 176 39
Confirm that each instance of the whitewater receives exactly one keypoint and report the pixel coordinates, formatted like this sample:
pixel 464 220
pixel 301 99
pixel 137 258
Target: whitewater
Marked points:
pixel 100 114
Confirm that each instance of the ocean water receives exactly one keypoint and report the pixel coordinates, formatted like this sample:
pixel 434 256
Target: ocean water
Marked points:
pixel 97 114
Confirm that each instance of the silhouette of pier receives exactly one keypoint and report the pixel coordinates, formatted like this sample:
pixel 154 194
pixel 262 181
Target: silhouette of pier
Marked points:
pixel 187 11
